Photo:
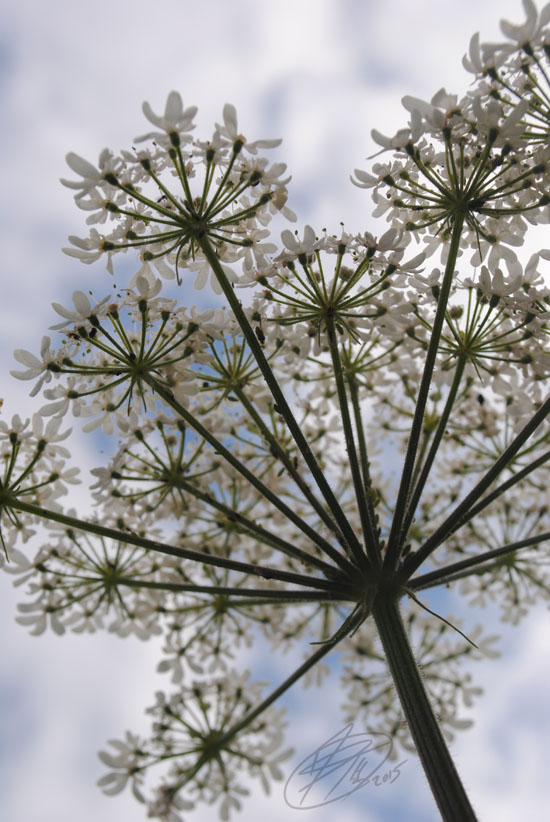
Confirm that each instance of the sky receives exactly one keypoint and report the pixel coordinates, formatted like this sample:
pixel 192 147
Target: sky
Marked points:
pixel 320 74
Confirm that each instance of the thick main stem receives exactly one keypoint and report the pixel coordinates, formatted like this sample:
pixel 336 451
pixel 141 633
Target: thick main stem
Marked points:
pixel 434 754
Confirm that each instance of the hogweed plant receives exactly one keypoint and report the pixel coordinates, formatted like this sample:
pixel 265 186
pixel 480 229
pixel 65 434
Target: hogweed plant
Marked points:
pixel 252 498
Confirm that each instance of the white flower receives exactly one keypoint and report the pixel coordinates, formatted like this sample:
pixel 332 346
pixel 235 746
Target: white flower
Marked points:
pixel 62 397
pixel 82 310
pixel 436 113
pixel 529 31
pixel 398 141
pixel 38 614
pixel 363 179
pixel 204 274
pixel 165 804
pixel 489 116
pixel 102 207
pixel 473 61
pixel 296 246
pixel 50 435
pixel 278 203
pixel 229 132
pixel 35 367
pixel 176 120
pixel 125 765
pixel 90 249
pixel 92 177
pixel 428 283
pixel 65 475
pixel 17 427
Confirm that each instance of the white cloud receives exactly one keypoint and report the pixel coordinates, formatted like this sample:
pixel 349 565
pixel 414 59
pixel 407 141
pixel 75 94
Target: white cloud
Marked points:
pixel 320 75
pixel 504 757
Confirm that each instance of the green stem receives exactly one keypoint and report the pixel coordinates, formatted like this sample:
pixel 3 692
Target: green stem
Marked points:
pixel 376 559
pixel 252 527
pixel 505 486
pixel 395 539
pixel 371 542
pixel 279 397
pixel 184 553
pixel 220 449
pixel 249 717
pixel 287 462
pixel 274 695
pixel 460 515
pixel 415 498
pixel 251 596
pixel 434 754
pixel 457 570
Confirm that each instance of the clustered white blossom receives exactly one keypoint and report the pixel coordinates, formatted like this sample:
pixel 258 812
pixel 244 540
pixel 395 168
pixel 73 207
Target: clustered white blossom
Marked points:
pixel 193 725
pixel 33 469
pixel 226 193
pixel 251 496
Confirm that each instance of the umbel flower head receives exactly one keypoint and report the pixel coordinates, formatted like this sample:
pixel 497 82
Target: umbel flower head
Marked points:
pixel 462 160
pixel 165 198
pixel 517 71
pixel 33 470
pixel 253 495
pixel 198 725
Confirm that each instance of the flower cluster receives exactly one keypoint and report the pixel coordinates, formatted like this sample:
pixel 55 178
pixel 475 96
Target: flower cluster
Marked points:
pixel 483 157
pixel 33 470
pixel 199 725
pixel 226 193
pixel 254 495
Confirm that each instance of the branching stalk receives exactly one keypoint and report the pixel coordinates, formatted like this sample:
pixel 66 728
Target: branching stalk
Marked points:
pixel 460 514
pixel 395 539
pixel 280 400
pixel 150 545
pixel 472 565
